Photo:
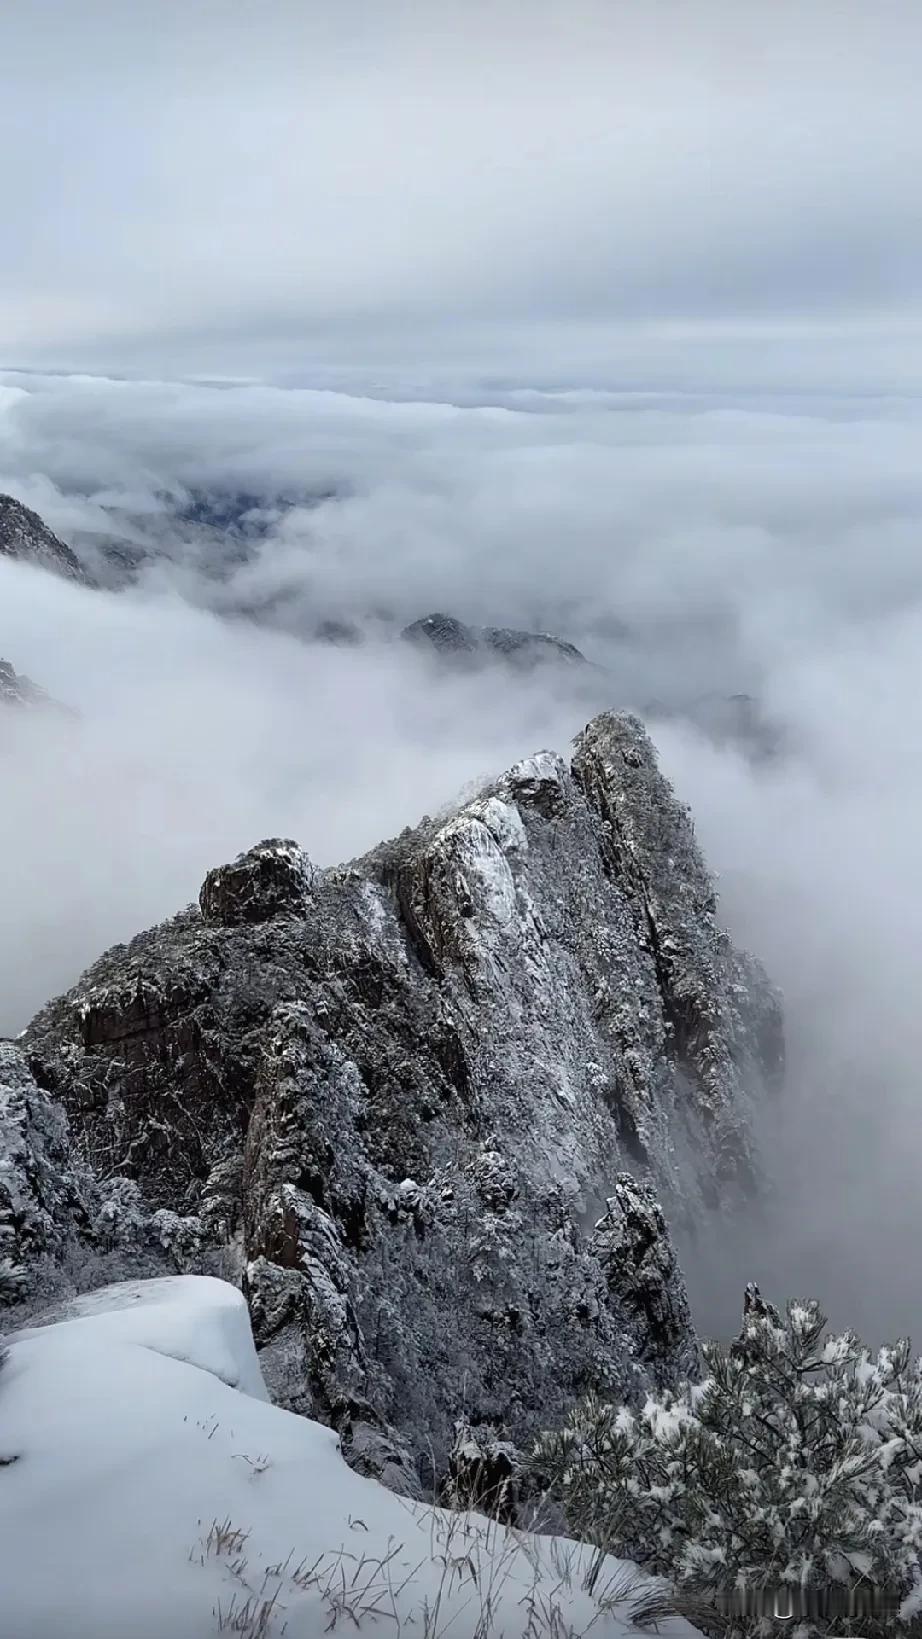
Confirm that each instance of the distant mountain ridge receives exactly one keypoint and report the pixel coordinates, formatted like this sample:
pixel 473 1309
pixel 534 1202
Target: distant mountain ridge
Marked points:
pixel 452 638
pixel 234 523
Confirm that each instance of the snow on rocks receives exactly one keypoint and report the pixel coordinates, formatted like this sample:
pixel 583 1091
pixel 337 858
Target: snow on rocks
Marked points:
pixel 24 535
pixel 17 690
pixel 510 1006
pixel 149 1488
pixel 60 1227
pixel 266 881
pixel 636 1254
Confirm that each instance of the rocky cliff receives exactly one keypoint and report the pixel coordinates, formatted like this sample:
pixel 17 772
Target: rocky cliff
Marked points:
pixel 23 534
pixel 432 1101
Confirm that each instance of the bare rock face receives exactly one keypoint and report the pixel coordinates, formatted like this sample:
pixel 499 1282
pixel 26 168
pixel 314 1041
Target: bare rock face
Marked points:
pixel 23 534
pixel 633 1247
pixel 435 1098
pixel 272 878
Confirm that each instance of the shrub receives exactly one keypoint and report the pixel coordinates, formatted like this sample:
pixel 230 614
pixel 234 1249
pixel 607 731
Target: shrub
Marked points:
pixel 789 1477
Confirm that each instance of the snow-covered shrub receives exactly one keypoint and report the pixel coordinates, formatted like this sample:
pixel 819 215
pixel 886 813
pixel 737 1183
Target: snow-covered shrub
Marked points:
pixel 789 1478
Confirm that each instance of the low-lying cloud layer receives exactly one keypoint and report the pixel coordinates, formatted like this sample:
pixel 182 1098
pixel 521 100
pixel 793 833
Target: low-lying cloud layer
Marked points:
pixel 689 545
pixel 195 739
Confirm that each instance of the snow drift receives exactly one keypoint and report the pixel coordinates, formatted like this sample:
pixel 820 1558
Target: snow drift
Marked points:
pixel 148 1487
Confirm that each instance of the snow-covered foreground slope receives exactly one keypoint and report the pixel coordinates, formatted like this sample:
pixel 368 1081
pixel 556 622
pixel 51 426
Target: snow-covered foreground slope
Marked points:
pixel 148 1487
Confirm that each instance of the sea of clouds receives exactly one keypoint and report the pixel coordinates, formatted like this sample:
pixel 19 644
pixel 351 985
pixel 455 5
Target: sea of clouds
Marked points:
pixel 690 544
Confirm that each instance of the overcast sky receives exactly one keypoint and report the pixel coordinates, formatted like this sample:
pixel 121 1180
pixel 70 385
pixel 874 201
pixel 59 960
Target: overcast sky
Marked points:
pixel 225 186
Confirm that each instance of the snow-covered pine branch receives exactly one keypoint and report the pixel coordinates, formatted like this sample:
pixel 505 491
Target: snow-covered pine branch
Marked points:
pixel 796 1463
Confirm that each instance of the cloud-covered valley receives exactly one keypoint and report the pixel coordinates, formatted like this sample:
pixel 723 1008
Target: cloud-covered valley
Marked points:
pixel 690 545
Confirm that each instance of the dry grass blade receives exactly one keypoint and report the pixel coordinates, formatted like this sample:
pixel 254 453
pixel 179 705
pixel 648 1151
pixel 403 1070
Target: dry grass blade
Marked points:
pixel 253 1618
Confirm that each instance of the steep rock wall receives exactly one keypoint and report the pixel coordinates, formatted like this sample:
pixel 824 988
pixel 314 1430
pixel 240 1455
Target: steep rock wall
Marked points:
pixel 433 1098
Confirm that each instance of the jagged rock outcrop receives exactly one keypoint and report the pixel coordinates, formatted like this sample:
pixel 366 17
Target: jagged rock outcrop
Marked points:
pixel 452 638
pixel 413 1091
pixel 632 1245
pixel 23 534
pixel 17 690
pixel 273 878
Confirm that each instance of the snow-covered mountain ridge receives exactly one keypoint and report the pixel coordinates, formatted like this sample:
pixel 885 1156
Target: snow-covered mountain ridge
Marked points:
pixel 425 1104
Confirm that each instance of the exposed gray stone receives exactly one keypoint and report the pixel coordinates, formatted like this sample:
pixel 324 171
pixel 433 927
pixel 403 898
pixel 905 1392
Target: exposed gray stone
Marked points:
pixel 266 881
pixel 483 1472
pixel 635 1252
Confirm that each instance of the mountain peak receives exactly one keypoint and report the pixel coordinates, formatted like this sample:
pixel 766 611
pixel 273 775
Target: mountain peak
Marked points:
pixel 409 1093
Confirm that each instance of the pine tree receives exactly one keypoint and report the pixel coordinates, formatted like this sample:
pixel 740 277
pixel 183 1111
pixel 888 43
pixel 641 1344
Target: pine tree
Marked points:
pixel 793 1471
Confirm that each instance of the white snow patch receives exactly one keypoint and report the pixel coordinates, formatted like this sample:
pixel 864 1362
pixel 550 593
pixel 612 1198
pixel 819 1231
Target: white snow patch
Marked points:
pixel 377 913
pixel 505 824
pixel 485 868
pixel 190 1318
pixel 142 1494
pixel 545 767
